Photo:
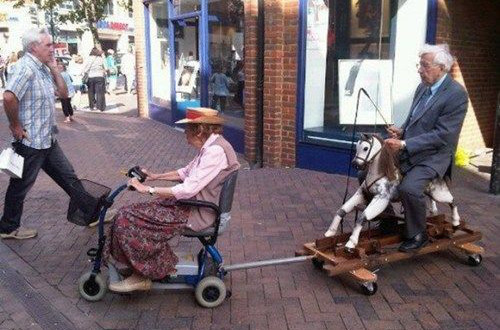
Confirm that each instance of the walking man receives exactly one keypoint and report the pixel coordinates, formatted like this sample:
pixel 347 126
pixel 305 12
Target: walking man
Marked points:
pixel 428 138
pixel 128 70
pixel 29 102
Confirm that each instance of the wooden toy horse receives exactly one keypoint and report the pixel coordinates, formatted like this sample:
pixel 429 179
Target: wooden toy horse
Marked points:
pixel 381 183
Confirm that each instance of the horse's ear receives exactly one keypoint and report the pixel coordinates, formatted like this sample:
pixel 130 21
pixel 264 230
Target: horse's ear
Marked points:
pixel 363 137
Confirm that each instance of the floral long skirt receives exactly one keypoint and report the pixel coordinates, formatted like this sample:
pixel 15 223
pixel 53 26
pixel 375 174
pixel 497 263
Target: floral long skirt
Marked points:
pixel 138 238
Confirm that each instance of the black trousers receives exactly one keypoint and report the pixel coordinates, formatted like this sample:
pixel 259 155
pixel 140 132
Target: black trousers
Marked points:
pixel 97 91
pixel 67 107
pixel 52 161
pixel 411 191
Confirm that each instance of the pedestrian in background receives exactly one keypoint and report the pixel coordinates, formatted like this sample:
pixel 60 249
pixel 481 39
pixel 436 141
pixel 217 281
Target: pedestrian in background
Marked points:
pixel 29 103
pixel 96 70
pixel 66 101
pixel 10 65
pixel 112 70
pixel 220 86
pixel 2 70
pixel 75 71
pixel 128 70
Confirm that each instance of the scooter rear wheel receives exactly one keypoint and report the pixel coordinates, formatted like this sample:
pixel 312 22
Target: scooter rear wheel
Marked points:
pixel 92 289
pixel 210 292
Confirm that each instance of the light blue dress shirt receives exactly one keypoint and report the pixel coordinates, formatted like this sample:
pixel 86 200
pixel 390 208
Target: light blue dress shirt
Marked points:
pixel 34 88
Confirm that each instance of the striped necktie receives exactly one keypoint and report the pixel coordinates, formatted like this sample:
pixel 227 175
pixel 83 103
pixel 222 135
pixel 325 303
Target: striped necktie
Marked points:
pixel 421 104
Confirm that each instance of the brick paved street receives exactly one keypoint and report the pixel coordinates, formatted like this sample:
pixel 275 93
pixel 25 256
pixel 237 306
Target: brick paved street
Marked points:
pixel 275 211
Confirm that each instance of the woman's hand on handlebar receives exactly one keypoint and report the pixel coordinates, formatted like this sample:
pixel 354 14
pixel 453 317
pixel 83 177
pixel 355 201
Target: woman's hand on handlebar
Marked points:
pixel 137 185
pixel 149 175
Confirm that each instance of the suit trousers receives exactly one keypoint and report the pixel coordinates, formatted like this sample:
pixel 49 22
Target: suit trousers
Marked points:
pixel 52 161
pixel 411 192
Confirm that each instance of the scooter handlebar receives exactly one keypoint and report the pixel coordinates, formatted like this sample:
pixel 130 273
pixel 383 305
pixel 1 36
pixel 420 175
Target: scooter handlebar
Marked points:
pixel 136 172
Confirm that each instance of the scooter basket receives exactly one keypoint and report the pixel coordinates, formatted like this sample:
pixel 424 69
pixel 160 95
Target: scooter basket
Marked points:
pixel 87 198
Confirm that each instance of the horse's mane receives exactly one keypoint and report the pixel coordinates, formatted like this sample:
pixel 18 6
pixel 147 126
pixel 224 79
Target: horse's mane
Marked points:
pixel 388 164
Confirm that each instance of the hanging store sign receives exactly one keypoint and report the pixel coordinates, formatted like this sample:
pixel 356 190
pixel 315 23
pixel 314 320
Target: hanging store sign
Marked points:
pixel 112 25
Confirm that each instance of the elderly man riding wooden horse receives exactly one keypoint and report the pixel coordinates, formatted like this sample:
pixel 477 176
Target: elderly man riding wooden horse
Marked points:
pixel 425 145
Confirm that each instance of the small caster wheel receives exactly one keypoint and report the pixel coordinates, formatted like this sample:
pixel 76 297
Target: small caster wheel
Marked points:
pixel 317 263
pixel 228 294
pixel 92 289
pixel 369 288
pixel 474 260
pixel 210 292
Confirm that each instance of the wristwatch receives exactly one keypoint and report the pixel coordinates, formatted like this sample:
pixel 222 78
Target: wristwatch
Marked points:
pixel 152 191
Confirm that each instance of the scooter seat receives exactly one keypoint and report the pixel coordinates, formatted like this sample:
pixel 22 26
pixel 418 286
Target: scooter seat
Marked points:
pixel 202 233
pixel 210 231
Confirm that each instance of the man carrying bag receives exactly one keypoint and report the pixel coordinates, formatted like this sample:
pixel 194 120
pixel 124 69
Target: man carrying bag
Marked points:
pixel 11 163
pixel 29 102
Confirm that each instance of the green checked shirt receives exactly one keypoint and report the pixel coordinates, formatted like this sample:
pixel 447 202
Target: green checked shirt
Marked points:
pixel 34 87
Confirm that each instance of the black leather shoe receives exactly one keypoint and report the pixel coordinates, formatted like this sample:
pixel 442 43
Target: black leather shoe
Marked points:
pixel 414 244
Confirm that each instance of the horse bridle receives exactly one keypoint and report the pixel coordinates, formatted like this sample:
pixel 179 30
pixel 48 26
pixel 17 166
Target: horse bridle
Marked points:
pixel 371 141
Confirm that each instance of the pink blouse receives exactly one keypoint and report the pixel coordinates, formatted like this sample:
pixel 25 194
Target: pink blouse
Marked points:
pixel 201 170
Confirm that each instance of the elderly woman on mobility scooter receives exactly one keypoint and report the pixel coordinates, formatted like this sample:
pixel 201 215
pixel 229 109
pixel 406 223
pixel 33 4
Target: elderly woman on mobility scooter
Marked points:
pixel 138 238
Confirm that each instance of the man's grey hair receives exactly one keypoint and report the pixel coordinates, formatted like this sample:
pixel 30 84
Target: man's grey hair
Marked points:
pixel 32 36
pixel 441 53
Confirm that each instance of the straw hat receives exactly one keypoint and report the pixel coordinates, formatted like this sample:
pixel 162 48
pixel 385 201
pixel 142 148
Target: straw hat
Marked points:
pixel 201 116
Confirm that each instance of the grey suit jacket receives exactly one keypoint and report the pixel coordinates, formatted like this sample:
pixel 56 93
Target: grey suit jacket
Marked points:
pixel 431 137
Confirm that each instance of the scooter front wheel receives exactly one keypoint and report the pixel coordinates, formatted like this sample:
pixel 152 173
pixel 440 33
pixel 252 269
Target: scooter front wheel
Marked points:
pixel 92 289
pixel 210 292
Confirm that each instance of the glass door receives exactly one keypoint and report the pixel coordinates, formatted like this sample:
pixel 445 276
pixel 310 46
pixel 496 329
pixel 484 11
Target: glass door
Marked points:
pixel 186 35
pixel 226 83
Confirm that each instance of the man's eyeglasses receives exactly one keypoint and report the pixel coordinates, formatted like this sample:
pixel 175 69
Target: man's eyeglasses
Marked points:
pixel 425 66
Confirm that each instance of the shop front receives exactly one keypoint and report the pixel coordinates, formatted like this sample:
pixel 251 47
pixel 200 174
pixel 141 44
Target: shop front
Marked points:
pixel 194 56
pixel 356 73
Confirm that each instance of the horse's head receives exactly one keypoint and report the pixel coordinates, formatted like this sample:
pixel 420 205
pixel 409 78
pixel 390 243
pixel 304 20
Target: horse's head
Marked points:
pixel 368 146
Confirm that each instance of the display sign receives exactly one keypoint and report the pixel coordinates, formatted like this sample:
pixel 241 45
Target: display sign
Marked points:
pixel 186 81
pixel 375 77
pixel 61 49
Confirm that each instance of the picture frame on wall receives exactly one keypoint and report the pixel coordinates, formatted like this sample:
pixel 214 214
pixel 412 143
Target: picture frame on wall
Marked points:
pixel 186 80
pixel 374 76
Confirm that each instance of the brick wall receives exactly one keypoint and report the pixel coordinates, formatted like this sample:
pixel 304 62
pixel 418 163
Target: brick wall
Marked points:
pixel 280 80
pixel 140 58
pixel 280 85
pixel 250 80
pixel 471 30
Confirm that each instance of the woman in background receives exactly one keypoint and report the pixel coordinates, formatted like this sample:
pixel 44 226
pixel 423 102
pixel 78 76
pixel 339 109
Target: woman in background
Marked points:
pixel 96 71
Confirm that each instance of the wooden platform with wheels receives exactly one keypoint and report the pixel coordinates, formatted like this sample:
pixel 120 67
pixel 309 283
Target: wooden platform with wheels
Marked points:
pixel 380 246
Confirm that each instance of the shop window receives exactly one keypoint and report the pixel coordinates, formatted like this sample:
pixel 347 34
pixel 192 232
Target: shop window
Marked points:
pixel 186 6
pixel 109 9
pixel 159 58
pixel 227 81
pixel 349 45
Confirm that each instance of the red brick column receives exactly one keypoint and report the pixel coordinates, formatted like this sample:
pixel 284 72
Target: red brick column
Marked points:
pixel 250 80
pixel 280 81
pixel 140 58
pixel 470 28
